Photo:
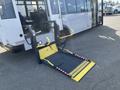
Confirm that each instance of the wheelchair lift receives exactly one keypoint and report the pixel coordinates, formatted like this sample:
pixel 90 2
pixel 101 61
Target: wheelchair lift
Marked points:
pixel 63 60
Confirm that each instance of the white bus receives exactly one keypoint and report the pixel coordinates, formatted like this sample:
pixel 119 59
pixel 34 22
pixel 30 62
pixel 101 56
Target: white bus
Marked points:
pixel 74 15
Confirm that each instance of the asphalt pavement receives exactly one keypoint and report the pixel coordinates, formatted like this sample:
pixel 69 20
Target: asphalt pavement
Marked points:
pixel 20 71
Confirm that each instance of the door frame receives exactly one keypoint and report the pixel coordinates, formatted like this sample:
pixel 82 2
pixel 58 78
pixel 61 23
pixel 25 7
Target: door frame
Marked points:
pixel 55 17
pixel 94 6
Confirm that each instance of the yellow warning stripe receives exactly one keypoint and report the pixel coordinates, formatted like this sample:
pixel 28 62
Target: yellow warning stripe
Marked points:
pixel 77 68
pixel 39 46
pixel 68 51
pixel 83 72
pixel 65 36
pixel 80 69
pixel 49 62
pixel 48 51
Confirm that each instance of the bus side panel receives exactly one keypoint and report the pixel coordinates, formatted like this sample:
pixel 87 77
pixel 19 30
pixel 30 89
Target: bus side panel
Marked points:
pixel 12 32
pixel 78 22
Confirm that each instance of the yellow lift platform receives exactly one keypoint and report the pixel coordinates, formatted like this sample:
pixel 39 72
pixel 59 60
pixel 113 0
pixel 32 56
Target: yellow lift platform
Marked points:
pixel 70 64
pixel 63 60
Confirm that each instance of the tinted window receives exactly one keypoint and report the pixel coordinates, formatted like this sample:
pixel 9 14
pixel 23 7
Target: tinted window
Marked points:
pixel 63 6
pixel 32 6
pixel 54 6
pixel 80 5
pixel 71 6
pixel 86 7
pixel 8 10
pixel 89 5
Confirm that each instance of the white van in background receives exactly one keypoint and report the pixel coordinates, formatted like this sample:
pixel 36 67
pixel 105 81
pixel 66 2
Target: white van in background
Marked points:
pixel 107 9
pixel 116 9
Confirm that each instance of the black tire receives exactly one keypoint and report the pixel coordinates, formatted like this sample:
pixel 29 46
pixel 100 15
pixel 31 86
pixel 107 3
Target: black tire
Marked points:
pixel 16 50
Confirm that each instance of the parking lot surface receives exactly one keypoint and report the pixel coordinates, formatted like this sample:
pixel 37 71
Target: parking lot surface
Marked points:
pixel 20 71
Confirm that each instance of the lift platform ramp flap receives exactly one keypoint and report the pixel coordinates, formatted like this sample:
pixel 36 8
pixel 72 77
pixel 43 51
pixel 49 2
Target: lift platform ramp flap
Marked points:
pixel 70 64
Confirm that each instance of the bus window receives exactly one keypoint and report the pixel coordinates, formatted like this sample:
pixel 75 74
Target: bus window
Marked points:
pixel 63 6
pixel 89 5
pixel 8 10
pixel 71 6
pixel 80 5
pixel 86 7
pixel 54 6
pixel 28 6
pixel 28 2
pixel 20 2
